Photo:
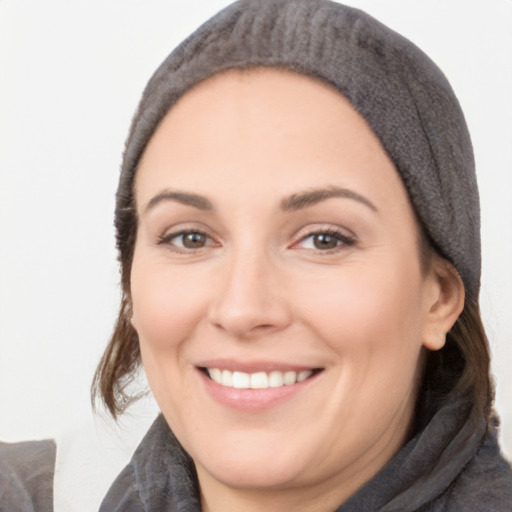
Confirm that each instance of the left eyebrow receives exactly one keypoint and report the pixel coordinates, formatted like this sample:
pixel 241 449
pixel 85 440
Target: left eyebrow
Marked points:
pixel 312 197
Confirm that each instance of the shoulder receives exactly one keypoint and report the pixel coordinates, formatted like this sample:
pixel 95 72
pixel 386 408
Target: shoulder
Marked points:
pixel 26 476
pixel 484 485
pixel 160 476
pixel 124 495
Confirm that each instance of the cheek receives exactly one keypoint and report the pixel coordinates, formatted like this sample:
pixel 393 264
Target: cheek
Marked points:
pixel 370 318
pixel 166 311
pixel 166 305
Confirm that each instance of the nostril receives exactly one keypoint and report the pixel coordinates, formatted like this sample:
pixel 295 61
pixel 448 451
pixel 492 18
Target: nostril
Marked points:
pixel 263 327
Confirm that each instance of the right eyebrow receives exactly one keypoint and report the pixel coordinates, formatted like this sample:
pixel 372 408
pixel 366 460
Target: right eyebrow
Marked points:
pixel 186 198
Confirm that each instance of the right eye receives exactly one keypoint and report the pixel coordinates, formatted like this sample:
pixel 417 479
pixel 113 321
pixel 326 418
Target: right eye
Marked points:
pixel 187 240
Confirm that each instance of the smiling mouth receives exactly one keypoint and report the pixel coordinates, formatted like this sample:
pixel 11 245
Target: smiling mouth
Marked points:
pixel 258 380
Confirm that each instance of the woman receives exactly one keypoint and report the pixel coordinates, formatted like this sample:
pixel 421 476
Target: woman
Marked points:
pixel 298 226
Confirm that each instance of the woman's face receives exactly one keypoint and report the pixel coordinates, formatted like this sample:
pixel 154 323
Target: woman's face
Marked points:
pixel 276 284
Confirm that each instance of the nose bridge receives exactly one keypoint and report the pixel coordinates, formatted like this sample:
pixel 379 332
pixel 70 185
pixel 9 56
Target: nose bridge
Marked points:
pixel 247 300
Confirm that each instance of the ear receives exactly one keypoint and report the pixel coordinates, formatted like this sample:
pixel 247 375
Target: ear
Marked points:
pixel 445 303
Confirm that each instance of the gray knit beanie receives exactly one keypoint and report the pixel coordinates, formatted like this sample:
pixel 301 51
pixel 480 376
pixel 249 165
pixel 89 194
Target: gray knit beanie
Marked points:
pixel 401 93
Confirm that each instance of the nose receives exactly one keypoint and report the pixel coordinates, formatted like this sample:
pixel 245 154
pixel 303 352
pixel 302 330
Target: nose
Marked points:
pixel 250 300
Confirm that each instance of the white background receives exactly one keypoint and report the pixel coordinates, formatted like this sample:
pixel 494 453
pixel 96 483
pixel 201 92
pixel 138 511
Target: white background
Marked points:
pixel 71 74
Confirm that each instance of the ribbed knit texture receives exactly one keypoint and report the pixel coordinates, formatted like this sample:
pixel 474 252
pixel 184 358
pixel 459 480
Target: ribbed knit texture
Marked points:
pixel 401 93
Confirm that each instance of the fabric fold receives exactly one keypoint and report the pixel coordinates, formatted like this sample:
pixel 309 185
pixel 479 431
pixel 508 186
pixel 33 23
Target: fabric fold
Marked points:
pixel 435 471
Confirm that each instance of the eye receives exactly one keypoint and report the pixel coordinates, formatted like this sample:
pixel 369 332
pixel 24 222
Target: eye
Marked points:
pixel 325 241
pixel 192 240
pixel 188 240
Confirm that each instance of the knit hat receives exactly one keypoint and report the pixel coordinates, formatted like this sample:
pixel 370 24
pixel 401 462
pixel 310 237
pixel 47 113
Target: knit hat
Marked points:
pixel 400 92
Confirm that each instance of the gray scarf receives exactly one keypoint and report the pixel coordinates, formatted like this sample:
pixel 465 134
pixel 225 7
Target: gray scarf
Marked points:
pixel 453 464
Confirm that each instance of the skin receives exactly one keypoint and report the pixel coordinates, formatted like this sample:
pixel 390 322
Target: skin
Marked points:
pixel 236 161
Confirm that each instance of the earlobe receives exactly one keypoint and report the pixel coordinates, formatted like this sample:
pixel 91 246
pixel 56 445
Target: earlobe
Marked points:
pixel 434 341
pixel 445 305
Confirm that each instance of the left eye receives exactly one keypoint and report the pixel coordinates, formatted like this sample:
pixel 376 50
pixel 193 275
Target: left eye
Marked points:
pixel 325 241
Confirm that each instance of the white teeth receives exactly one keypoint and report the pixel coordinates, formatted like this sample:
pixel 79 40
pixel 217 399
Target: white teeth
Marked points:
pixel 241 380
pixel 304 375
pixel 215 374
pixel 290 378
pixel 275 379
pixel 227 378
pixel 258 380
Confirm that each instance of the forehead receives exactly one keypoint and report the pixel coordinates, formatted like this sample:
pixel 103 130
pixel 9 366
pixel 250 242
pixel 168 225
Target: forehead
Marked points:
pixel 264 125
pixel 265 91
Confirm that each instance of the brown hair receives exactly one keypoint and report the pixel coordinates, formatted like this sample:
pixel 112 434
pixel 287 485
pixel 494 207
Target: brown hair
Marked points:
pixel 460 369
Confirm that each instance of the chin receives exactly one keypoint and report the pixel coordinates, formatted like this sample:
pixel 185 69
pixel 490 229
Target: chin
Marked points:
pixel 249 459
pixel 253 471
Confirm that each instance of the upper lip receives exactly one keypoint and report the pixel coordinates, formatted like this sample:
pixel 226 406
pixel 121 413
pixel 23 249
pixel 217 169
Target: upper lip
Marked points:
pixel 254 366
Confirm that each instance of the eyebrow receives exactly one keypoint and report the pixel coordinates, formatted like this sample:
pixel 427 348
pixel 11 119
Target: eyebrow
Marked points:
pixel 294 202
pixel 186 198
pixel 312 197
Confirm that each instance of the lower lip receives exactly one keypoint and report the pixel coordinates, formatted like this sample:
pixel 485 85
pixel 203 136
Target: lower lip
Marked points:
pixel 253 400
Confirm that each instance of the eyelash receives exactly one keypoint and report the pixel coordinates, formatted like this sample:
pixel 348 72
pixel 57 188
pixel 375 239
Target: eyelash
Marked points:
pixel 343 240
pixel 168 238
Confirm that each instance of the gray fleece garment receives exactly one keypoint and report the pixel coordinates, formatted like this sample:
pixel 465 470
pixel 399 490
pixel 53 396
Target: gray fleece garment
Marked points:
pixel 453 464
pixel 26 476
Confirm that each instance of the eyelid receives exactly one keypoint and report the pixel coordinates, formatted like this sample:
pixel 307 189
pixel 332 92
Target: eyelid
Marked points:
pixel 172 233
pixel 347 238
